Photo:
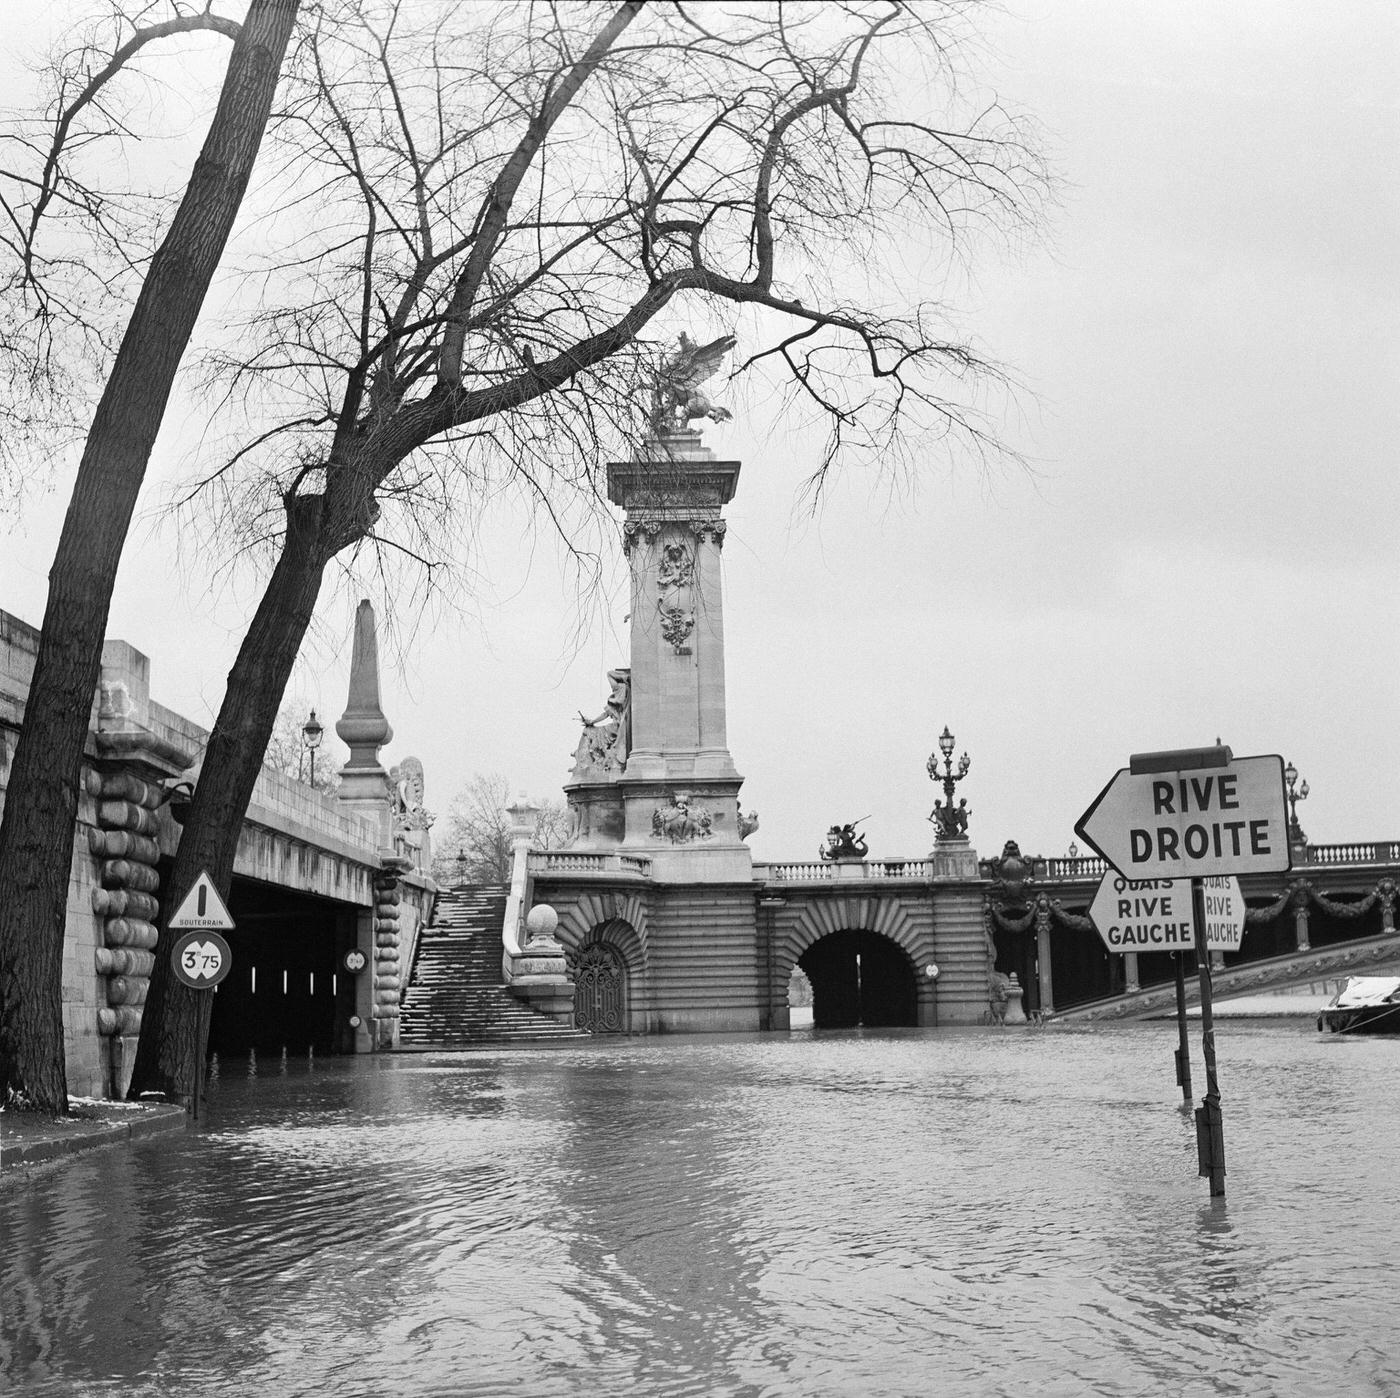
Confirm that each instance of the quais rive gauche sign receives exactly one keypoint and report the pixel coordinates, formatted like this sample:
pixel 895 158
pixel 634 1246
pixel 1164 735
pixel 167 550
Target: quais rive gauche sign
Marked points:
pixel 1155 914
pixel 1210 821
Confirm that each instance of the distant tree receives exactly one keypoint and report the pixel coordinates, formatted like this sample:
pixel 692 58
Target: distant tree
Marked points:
pixel 472 845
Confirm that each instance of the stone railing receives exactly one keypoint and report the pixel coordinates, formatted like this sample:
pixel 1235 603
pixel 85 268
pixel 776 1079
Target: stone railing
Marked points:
pixel 571 862
pixel 1359 852
pixel 1080 868
pixel 1084 868
pixel 811 871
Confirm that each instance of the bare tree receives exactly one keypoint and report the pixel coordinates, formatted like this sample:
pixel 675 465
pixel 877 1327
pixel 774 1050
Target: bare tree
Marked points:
pixel 36 835
pixel 473 844
pixel 488 219
pixel 504 208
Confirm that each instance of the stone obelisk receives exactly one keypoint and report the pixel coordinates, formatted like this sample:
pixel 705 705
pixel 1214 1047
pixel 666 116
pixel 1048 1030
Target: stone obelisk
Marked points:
pixel 364 784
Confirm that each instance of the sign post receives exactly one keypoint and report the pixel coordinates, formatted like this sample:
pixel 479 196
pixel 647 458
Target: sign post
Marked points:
pixel 1210 1125
pixel 1183 1052
pixel 1204 815
pixel 201 958
pixel 1159 915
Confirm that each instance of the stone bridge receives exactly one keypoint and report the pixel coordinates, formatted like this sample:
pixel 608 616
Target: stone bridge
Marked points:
pixel 316 878
pixel 920 941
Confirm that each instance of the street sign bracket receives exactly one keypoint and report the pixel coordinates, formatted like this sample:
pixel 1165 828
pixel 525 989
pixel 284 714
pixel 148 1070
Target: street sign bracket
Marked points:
pixel 1180 759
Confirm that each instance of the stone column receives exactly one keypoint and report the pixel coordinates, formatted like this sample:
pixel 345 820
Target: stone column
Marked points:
pixel 1300 924
pixel 364 790
pixel 1043 972
pixel 679 788
pixel 387 971
pixel 128 782
pixel 1131 984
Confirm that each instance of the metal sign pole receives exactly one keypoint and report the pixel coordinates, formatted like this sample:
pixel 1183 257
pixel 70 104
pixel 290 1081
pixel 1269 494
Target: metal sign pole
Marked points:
pixel 206 1000
pixel 1210 1129
pixel 1183 1052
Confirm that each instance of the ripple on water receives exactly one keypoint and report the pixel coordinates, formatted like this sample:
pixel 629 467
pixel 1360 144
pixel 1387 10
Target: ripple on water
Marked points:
pixel 905 1213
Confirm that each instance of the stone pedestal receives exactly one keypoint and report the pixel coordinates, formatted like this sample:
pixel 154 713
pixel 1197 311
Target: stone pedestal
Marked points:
pixel 541 978
pixel 1015 1010
pixel 954 858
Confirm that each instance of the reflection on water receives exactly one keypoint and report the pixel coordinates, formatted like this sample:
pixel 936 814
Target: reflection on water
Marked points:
pixel 903 1213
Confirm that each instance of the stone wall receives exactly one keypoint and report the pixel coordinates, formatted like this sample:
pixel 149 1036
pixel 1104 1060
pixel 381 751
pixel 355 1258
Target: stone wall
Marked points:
pixel 294 837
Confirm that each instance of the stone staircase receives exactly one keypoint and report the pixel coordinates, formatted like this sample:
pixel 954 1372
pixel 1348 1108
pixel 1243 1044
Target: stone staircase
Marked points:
pixel 455 994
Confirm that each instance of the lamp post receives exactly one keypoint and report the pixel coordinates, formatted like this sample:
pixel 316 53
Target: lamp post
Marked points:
pixel 951 823
pixel 311 733
pixel 1296 793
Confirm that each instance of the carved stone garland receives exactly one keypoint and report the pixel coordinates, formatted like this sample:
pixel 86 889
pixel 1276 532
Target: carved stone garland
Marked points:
pixel 675 584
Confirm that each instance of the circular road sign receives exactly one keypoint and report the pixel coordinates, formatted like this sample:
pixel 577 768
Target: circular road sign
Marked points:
pixel 354 961
pixel 201 959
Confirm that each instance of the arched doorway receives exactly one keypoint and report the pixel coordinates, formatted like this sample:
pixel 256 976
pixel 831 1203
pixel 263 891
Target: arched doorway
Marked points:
pixel 600 990
pixel 860 978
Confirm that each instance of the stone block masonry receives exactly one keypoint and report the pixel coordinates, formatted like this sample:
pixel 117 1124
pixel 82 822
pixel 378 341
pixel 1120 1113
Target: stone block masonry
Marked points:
pixel 125 843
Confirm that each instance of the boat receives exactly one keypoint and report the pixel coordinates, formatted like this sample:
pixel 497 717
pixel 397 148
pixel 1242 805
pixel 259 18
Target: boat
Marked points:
pixel 1364 1005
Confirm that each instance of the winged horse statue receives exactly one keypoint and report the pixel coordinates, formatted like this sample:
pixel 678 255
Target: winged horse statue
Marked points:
pixel 678 395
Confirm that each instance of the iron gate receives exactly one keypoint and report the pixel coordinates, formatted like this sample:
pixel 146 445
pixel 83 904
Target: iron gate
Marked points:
pixel 600 990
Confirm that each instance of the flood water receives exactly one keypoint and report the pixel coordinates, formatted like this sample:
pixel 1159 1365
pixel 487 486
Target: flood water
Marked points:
pixel 982 1211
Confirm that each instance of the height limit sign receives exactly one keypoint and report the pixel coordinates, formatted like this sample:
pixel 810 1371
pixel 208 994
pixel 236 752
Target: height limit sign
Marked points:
pixel 1228 819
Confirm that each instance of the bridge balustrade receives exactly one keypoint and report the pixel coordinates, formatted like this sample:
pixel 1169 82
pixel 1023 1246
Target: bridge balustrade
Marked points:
pixel 815 871
pixel 588 862
pixel 1366 852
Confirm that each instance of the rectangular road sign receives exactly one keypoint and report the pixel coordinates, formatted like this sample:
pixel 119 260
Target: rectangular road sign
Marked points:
pixel 1196 823
pixel 1156 914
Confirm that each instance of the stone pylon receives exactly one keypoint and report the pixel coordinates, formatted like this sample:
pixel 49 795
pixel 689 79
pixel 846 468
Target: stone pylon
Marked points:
pixel 364 784
pixel 654 773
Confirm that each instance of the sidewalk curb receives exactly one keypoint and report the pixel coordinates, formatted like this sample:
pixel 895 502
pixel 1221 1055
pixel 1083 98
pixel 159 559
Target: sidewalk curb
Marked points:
pixel 149 1121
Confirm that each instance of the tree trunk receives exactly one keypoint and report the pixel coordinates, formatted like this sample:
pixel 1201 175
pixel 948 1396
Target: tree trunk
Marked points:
pixel 171 1048
pixel 41 804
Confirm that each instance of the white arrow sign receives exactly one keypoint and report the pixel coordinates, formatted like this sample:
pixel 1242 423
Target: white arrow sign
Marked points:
pixel 1207 821
pixel 1155 914
pixel 202 907
pixel 1150 915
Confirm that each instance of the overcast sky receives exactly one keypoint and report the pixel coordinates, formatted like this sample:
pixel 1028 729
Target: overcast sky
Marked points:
pixel 1204 545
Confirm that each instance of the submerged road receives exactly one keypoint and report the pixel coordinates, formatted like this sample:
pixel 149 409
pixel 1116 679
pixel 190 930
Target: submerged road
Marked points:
pixel 984 1211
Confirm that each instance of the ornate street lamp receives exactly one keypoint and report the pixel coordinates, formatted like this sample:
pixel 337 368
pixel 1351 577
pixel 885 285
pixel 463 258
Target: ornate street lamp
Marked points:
pixel 311 733
pixel 1296 793
pixel 950 821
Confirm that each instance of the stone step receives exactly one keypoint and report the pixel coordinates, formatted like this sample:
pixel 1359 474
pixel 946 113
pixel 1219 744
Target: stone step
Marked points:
pixel 455 994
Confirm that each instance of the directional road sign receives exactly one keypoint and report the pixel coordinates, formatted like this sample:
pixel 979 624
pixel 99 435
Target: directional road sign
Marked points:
pixel 1148 915
pixel 1225 912
pixel 1209 821
pixel 201 959
pixel 202 907
pixel 1155 914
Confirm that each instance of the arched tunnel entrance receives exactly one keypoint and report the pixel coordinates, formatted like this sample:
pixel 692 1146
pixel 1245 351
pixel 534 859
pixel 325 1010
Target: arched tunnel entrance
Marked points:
pixel 288 987
pixel 860 978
